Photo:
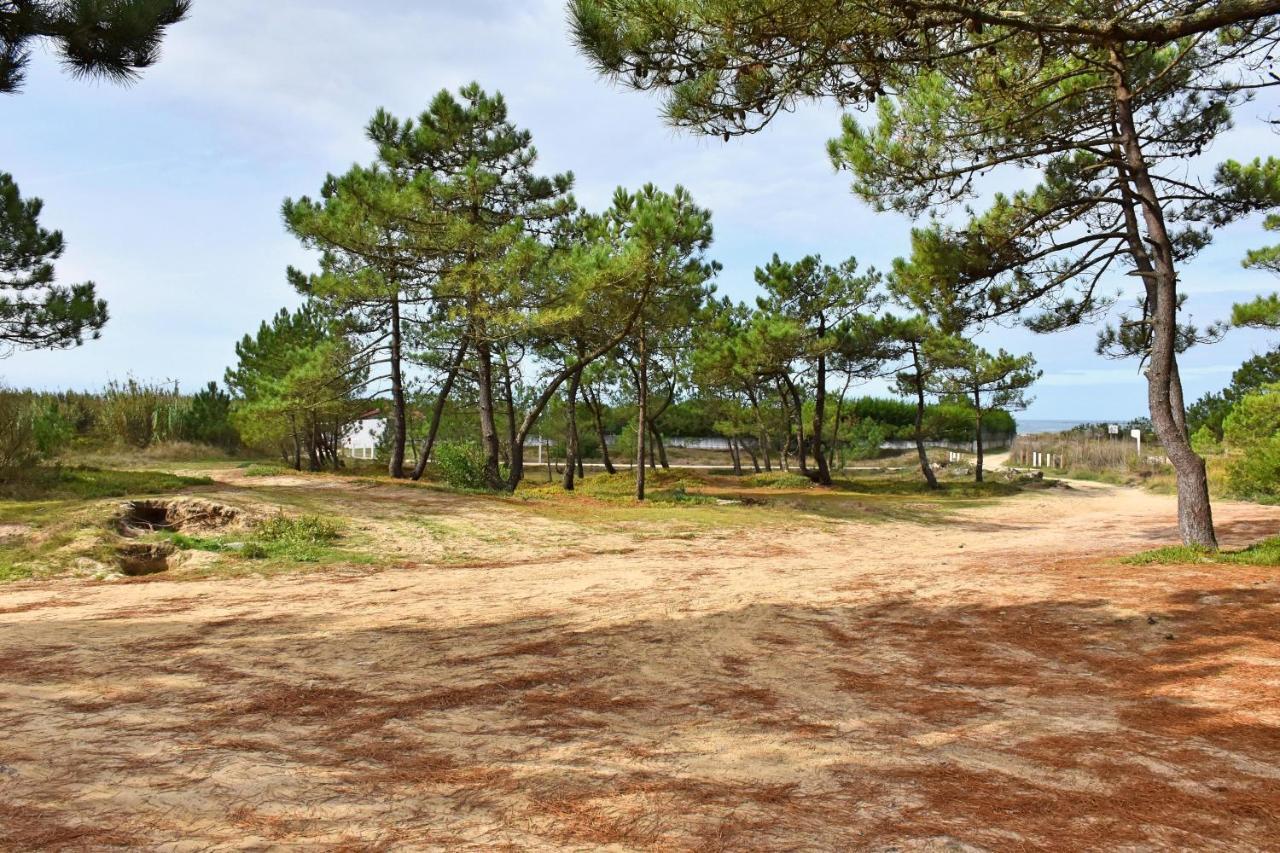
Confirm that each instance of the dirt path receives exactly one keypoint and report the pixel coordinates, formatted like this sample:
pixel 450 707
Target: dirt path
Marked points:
pixel 996 682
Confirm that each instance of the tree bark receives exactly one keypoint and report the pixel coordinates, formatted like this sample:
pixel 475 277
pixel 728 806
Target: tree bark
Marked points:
pixel 977 436
pixel 510 399
pixel 642 419
pixel 823 474
pixel 593 403
pixel 1195 511
pixel 801 441
pixel 399 427
pixel 764 431
pixel 660 446
pixel 437 412
pixel 488 427
pixel 571 444
pixel 925 467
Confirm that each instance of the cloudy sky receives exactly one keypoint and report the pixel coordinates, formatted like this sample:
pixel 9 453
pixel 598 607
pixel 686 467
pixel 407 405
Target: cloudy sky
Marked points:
pixel 168 191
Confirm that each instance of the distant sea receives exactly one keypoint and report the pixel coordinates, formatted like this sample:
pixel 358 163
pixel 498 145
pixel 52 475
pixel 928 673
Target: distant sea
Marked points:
pixel 1026 426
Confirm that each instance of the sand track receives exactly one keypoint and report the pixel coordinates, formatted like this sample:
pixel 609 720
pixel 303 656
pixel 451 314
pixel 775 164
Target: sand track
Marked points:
pixel 997 682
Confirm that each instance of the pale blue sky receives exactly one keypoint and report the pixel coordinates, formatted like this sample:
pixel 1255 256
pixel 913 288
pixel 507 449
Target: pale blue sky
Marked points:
pixel 168 192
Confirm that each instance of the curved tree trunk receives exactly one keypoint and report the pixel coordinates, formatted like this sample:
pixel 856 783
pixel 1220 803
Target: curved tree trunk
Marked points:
pixel 593 403
pixel 1195 511
pixel 438 411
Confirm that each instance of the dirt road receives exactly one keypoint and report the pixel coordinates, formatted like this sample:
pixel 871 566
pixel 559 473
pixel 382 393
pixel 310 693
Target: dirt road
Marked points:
pixel 994 682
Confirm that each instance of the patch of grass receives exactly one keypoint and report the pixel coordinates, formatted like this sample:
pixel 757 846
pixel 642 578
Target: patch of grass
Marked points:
pixel 39 484
pixel 778 480
pixel 306 539
pixel 186 542
pixel 260 470
pixel 1264 553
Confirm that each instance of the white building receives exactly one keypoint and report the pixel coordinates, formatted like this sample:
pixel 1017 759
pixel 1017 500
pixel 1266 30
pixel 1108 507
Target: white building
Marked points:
pixel 362 441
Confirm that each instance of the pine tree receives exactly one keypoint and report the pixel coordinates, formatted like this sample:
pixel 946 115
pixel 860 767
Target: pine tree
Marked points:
pixel 114 40
pixel 987 381
pixel 36 313
pixel 1108 104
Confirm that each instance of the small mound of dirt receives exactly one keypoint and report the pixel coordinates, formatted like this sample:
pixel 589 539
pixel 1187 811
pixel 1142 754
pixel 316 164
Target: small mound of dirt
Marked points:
pixel 137 518
pixel 137 559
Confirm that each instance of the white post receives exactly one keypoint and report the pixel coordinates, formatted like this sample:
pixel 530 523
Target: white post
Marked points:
pixel 1137 433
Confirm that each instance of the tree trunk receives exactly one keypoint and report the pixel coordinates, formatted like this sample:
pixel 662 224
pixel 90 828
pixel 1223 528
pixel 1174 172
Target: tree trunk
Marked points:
pixel 642 416
pixel 977 436
pixel 571 444
pixel 593 403
pixel 755 463
pixel 399 427
pixel 510 399
pixel 823 475
pixel 661 447
pixel 488 427
pixel 925 467
pixel 438 411
pixel 764 431
pixel 1195 511
pixel 801 454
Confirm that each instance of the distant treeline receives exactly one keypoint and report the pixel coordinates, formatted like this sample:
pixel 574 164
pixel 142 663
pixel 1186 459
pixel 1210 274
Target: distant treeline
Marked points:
pixel 41 425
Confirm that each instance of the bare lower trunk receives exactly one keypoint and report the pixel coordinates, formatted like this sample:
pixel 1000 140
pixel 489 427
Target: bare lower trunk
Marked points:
pixel 764 431
pixel 488 427
pixel 571 453
pixel 823 475
pixel 660 447
pixel 801 453
pixel 925 467
pixel 594 404
pixel 437 412
pixel 399 426
pixel 1195 511
pixel 977 438
pixel 510 401
pixel 642 416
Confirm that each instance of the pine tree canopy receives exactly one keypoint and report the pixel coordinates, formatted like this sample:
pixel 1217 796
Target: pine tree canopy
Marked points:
pixel 112 39
pixel 36 313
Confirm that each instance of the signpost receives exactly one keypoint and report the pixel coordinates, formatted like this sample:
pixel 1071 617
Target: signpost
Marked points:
pixel 1137 433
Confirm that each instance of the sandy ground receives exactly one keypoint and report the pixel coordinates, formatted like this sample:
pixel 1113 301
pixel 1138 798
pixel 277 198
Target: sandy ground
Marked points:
pixel 996 682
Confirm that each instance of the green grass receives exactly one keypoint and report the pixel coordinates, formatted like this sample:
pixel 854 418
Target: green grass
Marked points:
pixel 42 484
pixel 307 539
pixel 259 470
pixel 1264 553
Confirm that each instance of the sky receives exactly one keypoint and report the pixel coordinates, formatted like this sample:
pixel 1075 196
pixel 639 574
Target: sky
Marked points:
pixel 168 191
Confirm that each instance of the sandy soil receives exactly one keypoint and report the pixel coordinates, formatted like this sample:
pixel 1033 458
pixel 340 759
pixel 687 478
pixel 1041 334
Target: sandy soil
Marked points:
pixel 996 682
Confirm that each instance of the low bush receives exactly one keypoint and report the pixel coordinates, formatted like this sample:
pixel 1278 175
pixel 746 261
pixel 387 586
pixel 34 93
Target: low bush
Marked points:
pixel 460 464
pixel 304 539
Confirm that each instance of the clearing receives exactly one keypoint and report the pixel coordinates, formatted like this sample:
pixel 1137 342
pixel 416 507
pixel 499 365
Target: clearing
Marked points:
pixel 863 672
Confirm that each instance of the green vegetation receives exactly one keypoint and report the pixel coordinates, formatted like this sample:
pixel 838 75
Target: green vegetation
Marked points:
pixel 50 483
pixel 1265 553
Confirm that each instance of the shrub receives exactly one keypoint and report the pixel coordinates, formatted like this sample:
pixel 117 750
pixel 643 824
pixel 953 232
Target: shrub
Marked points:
pixel 19 447
pixel 303 539
pixel 865 438
pixel 460 464
pixel 1252 433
